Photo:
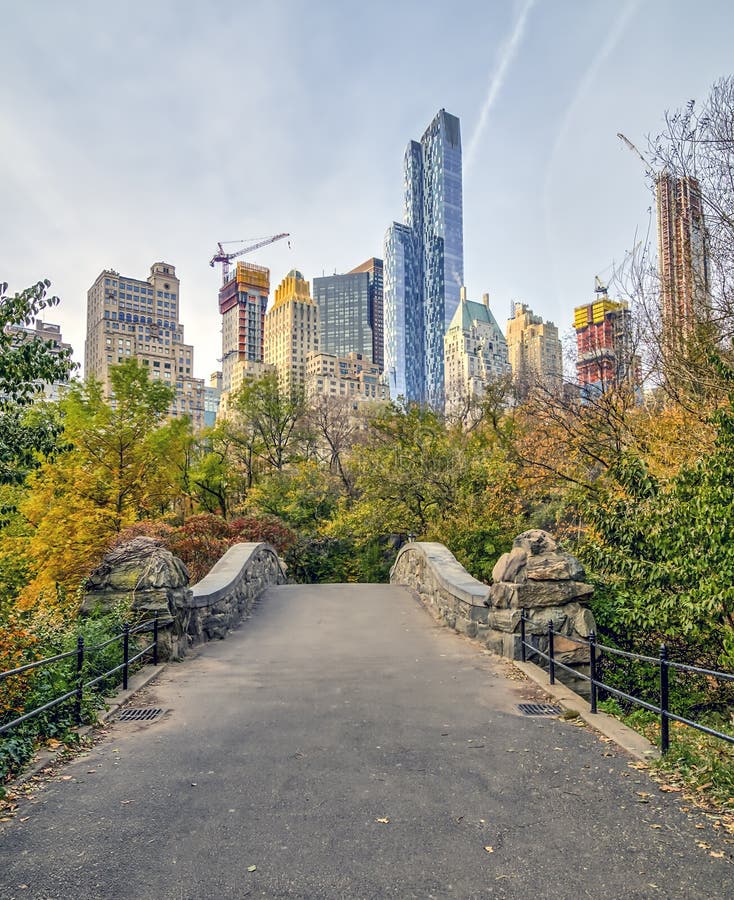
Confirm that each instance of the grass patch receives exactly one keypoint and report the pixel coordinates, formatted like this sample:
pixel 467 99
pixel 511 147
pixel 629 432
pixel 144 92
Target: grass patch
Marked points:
pixel 699 763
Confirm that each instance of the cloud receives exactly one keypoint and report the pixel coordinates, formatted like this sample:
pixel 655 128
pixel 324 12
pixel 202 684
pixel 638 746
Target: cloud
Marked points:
pixel 496 82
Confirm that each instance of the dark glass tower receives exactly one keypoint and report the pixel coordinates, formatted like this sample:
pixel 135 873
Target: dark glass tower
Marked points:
pixel 424 264
pixel 344 302
pixel 350 310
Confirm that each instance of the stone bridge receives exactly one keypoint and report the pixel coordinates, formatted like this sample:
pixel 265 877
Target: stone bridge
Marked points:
pixel 343 742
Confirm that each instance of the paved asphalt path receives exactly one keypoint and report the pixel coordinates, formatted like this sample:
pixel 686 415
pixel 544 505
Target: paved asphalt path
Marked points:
pixel 341 744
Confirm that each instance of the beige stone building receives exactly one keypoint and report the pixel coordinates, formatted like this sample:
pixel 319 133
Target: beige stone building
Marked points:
pixel 139 319
pixel 50 334
pixel 475 353
pixel 291 331
pixel 241 372
pixel 534 351
pixel 352 376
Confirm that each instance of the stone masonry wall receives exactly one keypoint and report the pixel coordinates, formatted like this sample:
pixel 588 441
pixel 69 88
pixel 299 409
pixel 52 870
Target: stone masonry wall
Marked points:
pixel 145 577
pixel 536 575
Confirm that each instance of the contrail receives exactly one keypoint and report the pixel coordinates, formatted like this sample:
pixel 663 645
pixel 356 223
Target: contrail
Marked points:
pixel 585 84
pixel 496 82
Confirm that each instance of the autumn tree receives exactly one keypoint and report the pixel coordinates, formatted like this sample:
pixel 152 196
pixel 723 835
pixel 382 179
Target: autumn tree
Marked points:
pixel 109 477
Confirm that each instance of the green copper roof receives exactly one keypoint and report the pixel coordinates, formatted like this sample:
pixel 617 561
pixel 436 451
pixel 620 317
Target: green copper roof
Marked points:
pixel 468 312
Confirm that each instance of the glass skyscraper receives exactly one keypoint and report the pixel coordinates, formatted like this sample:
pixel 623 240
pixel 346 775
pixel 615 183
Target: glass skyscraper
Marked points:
pixel 424 264
pixel 350 310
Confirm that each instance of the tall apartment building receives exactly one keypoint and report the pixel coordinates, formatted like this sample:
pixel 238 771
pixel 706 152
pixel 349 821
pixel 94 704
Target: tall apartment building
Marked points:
pixel 605 355
pixel 352 376
pixel 375 273
pixel 682 260
pixel 291 330
pixel 344 314
pixel 48 333
pixel 424 264
pixel 139 319
pixel 534 351
pixel 475 352
pixel 243 300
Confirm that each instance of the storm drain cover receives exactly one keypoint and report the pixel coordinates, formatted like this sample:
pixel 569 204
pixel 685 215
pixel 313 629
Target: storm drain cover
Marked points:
pixel 539 709
pixel 144 714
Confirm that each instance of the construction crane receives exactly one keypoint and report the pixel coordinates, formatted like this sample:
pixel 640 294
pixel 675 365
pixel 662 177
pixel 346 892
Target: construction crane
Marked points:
pixel 221 256
pixel 630 146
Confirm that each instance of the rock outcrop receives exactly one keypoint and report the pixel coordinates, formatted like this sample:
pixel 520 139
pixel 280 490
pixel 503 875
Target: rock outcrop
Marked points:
pixel 140 575
pixel 539 577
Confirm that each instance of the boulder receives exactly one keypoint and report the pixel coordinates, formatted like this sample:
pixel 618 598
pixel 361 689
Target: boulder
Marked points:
pixel 142 575
pixel 557 566
pixel 535 542
pixel 511 566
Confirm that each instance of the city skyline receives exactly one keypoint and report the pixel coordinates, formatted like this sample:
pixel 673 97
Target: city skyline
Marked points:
pixel 156 157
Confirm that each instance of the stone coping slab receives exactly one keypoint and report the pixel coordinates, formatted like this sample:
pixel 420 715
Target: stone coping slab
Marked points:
pixel 224 575
pixel 448 571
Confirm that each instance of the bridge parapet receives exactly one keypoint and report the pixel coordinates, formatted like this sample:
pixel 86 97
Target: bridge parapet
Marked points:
pixel 146 577
pixel 537 575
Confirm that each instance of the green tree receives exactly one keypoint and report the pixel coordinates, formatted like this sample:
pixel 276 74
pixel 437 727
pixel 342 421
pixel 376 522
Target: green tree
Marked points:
pixel 26 363
pixel 271 419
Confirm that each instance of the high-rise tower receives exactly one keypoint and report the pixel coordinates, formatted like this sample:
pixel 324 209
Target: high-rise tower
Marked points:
pixel 291 331
pixel 682 259
pixel 605 353
pixel 375 275
pixel 534 351
pixel 243 299
pixel 131 318
pixel 424 264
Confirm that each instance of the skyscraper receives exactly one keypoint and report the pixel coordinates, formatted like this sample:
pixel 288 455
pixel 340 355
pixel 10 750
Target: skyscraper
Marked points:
pixel 131 318
pixel 374 269
pixel 291 330
pixel 605 355
pixel 534 351
pixel 243 299
pixel 344 302
pixel 350 312
pixel 424 264
pixel 682 258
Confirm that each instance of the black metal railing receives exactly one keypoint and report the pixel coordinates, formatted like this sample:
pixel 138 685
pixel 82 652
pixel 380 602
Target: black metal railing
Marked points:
pixel 662 662
pixel 83 653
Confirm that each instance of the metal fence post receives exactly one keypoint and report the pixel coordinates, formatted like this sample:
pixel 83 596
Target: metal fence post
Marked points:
pixel 551 654
pixel 155 639
pixel 522 634
pixel 79 680
pixel 125 653
pixel 664 700
pixel 592 669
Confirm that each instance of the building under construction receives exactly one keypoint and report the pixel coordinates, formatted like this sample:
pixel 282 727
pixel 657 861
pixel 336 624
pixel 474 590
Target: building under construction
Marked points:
pixel 682 259
pixel 243 299
pixel 605 349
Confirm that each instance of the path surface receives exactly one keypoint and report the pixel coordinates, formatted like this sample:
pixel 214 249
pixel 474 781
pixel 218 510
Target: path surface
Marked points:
pixel 331 709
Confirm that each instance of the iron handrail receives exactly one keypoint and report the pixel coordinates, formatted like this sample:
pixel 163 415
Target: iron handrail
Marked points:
pixel 662 661
pixel 154 625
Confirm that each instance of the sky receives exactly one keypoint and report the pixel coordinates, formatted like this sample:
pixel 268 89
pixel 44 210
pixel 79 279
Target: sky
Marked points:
pixel 138 132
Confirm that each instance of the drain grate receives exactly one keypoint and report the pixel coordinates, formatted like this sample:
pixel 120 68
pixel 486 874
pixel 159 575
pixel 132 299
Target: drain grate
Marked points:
pixel 539 709
pixel 144 714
